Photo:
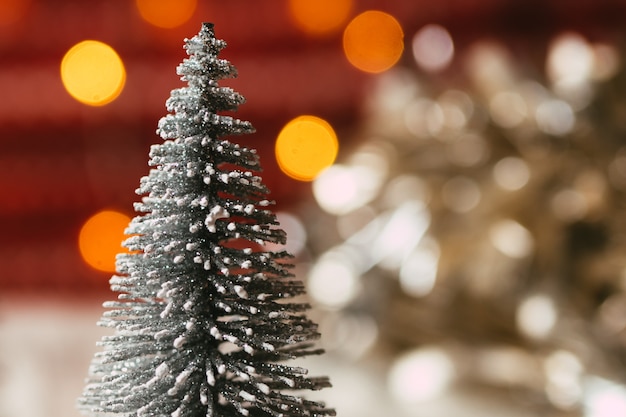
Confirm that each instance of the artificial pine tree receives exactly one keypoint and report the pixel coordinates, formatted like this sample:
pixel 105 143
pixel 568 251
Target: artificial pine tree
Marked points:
pixel 205 313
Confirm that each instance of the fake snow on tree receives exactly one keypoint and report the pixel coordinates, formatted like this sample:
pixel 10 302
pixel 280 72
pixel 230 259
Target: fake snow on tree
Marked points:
pixel 205 316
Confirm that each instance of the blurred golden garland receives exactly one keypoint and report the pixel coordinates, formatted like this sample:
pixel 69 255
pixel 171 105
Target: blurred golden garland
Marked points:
pixel 480 225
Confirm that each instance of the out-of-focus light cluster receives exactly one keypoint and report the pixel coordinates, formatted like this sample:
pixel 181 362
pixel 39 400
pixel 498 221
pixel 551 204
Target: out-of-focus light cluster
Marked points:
pixel 373 42
pixel 483 214
pixel 573 64
pixel 393 240
pixel 93 73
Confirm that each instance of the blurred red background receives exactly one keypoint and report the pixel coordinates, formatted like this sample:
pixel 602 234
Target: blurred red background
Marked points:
pixel 62 161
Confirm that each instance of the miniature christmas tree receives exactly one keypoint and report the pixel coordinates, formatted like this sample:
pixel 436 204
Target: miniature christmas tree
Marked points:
pixel 205 313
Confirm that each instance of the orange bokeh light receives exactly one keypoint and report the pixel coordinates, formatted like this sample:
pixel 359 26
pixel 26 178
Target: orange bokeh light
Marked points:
pixel 100 239
pixel 166 14
pixel 373 41
pixel 320 17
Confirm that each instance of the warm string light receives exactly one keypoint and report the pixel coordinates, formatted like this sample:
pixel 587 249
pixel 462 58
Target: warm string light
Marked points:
pixel 100 239
pixel 93 73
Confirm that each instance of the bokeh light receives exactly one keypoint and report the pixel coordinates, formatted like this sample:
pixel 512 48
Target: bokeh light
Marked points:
pixel 570 65
pixel 12 11
pixel 100 239
pixel 433 48
pixel 419 270
pixel 93 73
pixel 341 189
pixel 511 238
pixel 421 375
pixel 336 190
pixel 373 41
pixel 334 281
pixel 536 316
pixel 306 146
pixel 401 230
pixel 555 117
pixel 320 17
pixel 563 379
pixel 604 398
pixel 511 173
pixel 166 14
pixel 570 56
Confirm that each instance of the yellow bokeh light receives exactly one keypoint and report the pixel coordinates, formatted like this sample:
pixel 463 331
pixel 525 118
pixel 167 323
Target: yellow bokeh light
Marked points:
pixel 166 14
pixel 306 146
pixel 93 73
pixel 100 239
pixel 373 41
pixel 320 17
